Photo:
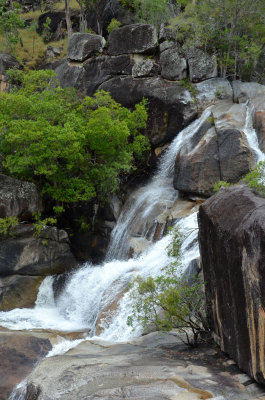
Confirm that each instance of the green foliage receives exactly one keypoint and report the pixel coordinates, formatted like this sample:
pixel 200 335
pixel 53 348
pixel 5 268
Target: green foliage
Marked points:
pixel 152 11
pixel 114 24
pixel 15 77
pixel 10 23
pixel 84 226
pixel 73 148
pixel 46 33
pixel 7 226
pixel 167 301
pixel 220 91
pixel 234 30
pixel 58 209
pixel 256 178
pixel 41 224
pixel 217 186
pixel 186 83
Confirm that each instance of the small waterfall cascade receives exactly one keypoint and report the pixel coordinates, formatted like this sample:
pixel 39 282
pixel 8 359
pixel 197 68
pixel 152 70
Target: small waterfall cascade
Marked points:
pixel 19 392
pixel 96 299
pixel 92 291
pixel 251 134
pixel 147 203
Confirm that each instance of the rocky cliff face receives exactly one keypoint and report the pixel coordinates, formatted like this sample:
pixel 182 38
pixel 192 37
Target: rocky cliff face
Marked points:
pixel 232 244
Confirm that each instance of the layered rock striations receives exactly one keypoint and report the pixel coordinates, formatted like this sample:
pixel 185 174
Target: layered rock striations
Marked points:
pixel 232 245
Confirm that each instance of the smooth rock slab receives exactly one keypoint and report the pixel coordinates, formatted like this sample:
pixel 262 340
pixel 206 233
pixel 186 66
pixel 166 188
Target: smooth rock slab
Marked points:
pixel 244 91
pixel 18 291
pixel 84 45
pixel 219 150
pixel 19 352
pixel 153 367
pixel 25 254
pixel 135 38
pixel 232 246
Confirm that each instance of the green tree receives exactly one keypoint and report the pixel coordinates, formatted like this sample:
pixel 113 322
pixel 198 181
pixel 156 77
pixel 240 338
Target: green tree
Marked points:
pixel 73 148
pixel 167 301
pixel 256 178
pixel 153 11
pixel 10 23
pixel 234 30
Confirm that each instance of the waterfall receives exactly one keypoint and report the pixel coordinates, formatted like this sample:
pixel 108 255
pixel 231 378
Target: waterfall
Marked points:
pixel 251 134
pixel 145 204
pixel 19 392
pixel 95 299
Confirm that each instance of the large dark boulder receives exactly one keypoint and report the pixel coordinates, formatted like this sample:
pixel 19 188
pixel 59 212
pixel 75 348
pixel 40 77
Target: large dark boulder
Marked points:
pixel 232 245
pixel 197 165
pixel 202 66
pixel 136 38
pixel 217 151
pixel 8 62
pixel 70 75
pixel 174 67
pixel 171 106
pixel 17 198
pixel 57 23
pixel 100 15
pixel 100 69
pixel 244 91
pixel 84 45
pixel 88 76
pixel 25 254
pixel 19 291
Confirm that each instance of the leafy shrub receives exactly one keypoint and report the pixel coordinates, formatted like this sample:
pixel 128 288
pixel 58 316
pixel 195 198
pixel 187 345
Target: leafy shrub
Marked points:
pixel 114 24
pixel 256 178
pixel 167 301
pixel 217 186
pixel 41 224
pixel 73 148
pixel 7 226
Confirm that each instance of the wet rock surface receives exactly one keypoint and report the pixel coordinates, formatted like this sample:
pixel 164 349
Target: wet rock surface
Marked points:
pixel 26 254
pixel 231 235
pixel 218 151
pixel 18 291
pixel 19 352
pixel 155 367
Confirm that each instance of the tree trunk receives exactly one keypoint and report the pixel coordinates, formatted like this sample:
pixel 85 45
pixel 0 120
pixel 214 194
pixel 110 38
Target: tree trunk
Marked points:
pixel 68 19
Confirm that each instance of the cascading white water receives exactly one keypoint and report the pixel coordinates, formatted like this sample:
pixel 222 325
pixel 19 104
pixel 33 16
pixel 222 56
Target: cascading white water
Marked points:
pixel 145 204
pixel 251 134
pixel 92 288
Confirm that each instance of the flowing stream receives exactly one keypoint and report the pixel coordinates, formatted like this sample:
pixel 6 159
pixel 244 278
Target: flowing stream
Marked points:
pixel 92 289
pixel 96 299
